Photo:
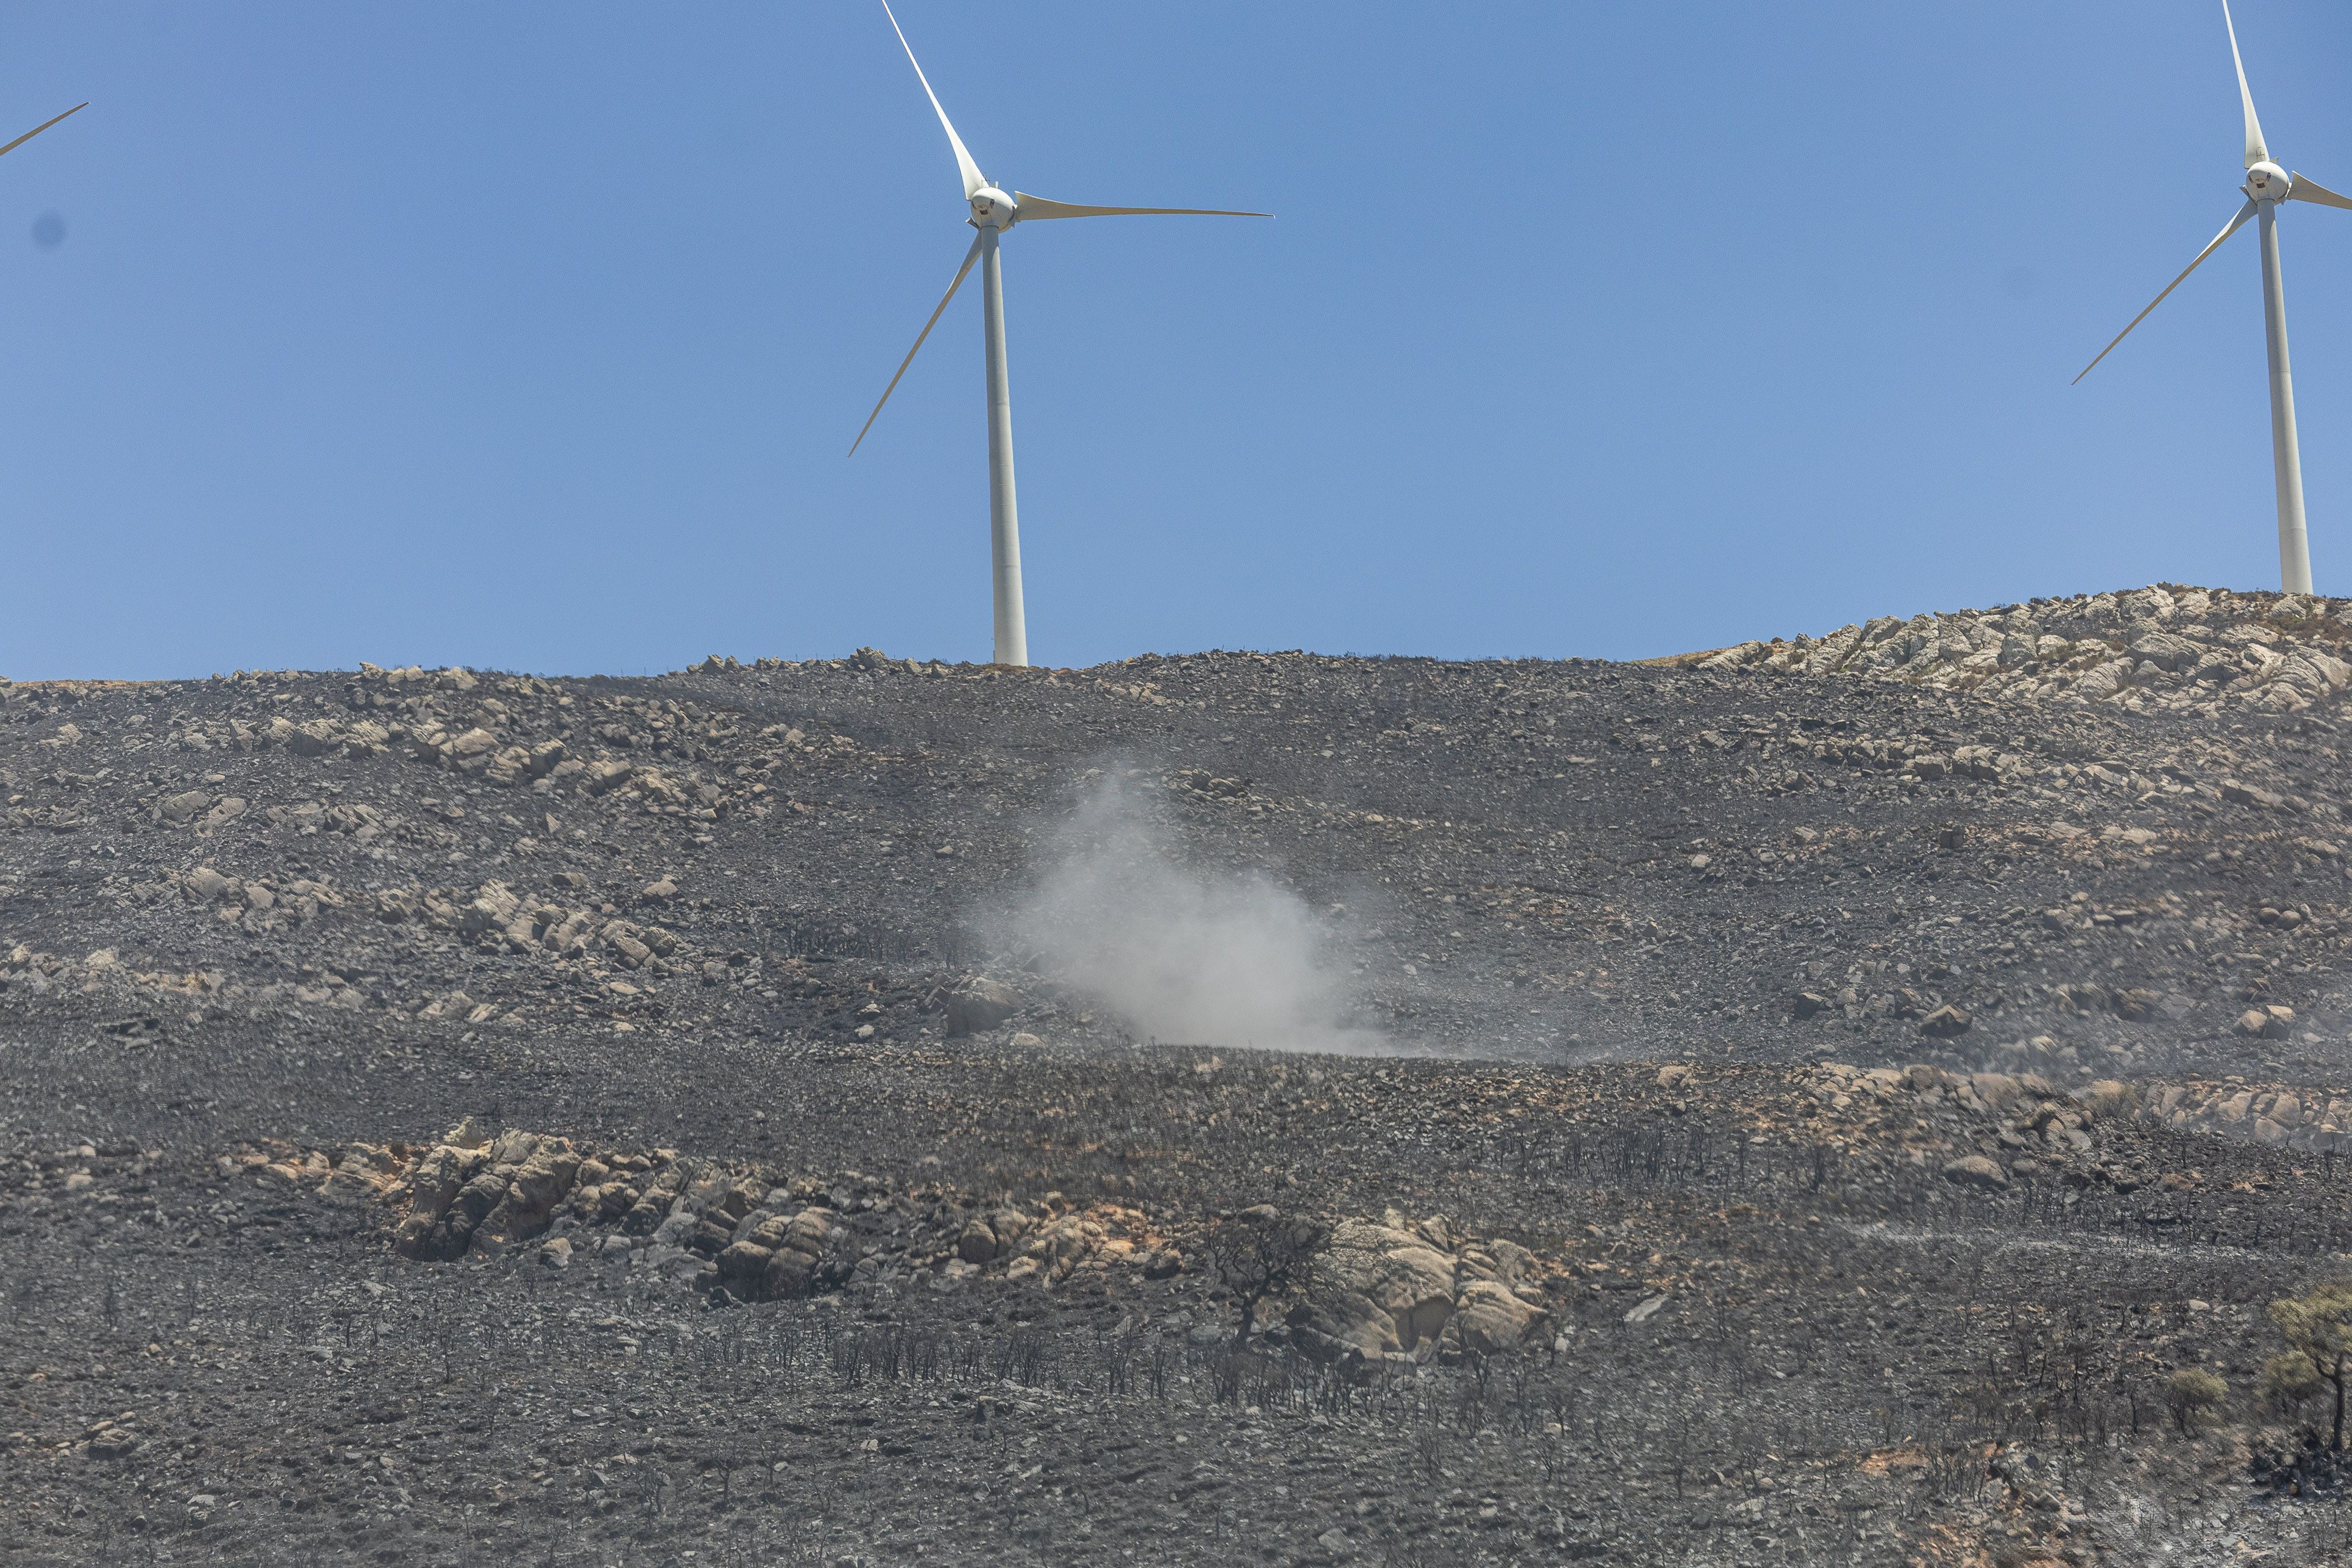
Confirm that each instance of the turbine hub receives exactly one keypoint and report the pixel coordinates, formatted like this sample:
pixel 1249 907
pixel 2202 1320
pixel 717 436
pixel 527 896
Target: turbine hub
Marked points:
pixel 993 209
pixel 2266 181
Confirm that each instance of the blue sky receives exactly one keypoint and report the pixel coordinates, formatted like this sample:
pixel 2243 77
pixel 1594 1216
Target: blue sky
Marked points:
pixel 533 337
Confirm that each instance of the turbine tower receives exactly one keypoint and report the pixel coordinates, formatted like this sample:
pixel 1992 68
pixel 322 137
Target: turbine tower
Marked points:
pixel 992 212
pixel 2266 186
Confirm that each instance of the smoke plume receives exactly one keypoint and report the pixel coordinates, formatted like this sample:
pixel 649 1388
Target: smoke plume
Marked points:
pixel 1183 954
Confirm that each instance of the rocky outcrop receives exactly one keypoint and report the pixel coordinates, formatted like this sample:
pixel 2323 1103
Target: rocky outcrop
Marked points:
pixel 2160 647
pixel 739 1227
pixel 2318 1120
pixel 1397 1291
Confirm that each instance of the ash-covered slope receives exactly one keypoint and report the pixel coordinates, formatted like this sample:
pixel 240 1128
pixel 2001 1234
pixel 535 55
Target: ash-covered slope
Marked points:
pixel 1552 861
pixel 399 1070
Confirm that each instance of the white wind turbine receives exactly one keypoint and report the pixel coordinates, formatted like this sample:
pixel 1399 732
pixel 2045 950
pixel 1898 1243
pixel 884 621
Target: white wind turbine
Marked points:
pixel 2266 186
pixel 993 212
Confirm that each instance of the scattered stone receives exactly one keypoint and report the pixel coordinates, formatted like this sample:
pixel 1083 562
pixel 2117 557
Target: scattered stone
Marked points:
pixel 1945 1022
pixel 1976 1171
pixel 977 1005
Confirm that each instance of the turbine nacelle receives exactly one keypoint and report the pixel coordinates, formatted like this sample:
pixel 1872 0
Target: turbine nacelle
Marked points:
pixel 993 209
pixel 2266 181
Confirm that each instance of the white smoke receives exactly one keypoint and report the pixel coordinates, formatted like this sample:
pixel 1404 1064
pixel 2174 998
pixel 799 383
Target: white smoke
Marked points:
pixel 1183 954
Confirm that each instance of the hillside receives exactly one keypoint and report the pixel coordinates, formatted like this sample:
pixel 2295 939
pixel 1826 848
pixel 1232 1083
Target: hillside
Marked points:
pixel 396 1067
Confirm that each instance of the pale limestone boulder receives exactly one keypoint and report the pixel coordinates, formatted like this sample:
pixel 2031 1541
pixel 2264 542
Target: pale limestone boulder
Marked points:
pixel 1490 1318
pixel 1395 1271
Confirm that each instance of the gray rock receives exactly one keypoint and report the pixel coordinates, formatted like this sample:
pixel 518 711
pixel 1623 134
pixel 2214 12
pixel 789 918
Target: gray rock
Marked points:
pixel 182 807
pixel 1976 1171
pixel 1945 1022
pixel 979 1004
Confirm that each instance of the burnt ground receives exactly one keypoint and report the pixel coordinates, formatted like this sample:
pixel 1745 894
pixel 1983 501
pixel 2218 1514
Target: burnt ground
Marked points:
pixel 1612 948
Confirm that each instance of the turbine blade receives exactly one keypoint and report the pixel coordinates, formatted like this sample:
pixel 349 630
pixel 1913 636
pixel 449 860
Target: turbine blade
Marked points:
pixel 2243 213
pixel 77 108
pixel 2304 190
pixel 2255 152
pixel 961 272
pixel 972 178
pixel 1041 207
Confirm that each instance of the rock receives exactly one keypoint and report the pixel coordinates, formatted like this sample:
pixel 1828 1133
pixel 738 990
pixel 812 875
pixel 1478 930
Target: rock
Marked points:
pixel 978 1243
pixel 1343 1322
pixel 1645 1310
pixel 2262 1023
pixel 180 807
pixel 542 1178
pixel 607 775
pixel 555 1252
pixel 1489 1318
pixel 490 909
pixel 315 738
pixel 365 1171
pixel 2109 1097
pixel 1945 1022
pixel 979 1004
pixel 1976 1171
pixel 1513 1262
pixel 809 1230
pixel 2247 795
pixel 1164 1264
pixel 1998 1090
pixel 1060 1246
pixel 1394 1271
pixel 457 1004
pixel 744 1261
pixel 1807 1004
pixel 660 892
pixel 2168 651
pixel 114 1442
pixel 788 1274
pixel 206 885
pixel 1673 1076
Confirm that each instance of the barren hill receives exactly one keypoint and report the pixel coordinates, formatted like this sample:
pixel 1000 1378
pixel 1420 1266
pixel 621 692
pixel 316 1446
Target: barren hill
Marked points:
pixel 1917 1044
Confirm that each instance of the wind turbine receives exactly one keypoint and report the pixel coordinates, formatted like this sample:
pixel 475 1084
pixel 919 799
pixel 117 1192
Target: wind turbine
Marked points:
pixel 77 108
pixel 992 213
pixel 2266 186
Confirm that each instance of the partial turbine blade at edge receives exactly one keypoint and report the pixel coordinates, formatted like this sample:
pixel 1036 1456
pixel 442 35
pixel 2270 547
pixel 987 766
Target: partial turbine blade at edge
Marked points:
pixel 2306 190
pixel 2257 152
pixel 961 273
pixel 971 176
pixel 77 108
pixel 1029 207
pixel 2235 223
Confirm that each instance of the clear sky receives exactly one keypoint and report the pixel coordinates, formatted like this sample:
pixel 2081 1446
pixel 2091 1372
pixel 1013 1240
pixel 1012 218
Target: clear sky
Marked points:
pixel 532 337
